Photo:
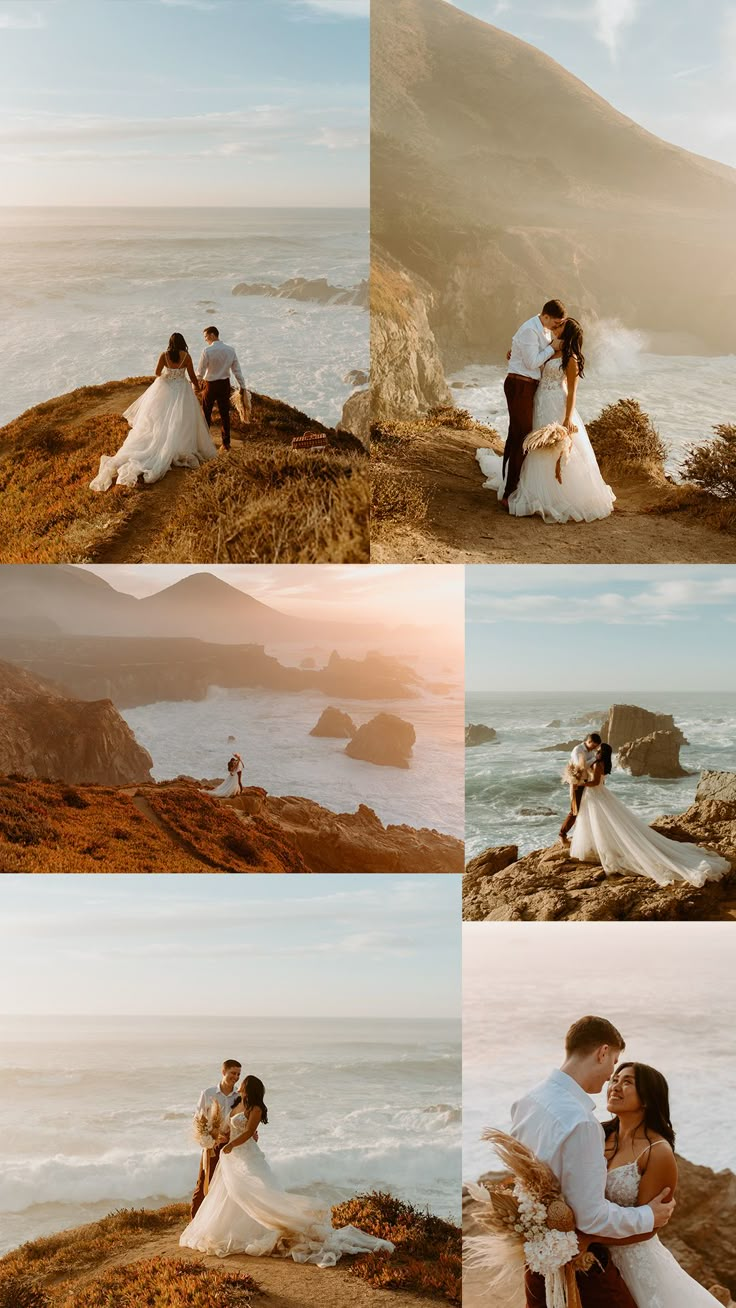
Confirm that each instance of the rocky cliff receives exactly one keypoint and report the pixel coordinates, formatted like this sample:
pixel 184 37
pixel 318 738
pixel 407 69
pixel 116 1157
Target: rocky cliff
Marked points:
pixel 548 885
pixel 47 733
pixel 406 371
pixel 316 290
pixel 356 416
pixel 627 722
pixel 700 1235
pixel 458 169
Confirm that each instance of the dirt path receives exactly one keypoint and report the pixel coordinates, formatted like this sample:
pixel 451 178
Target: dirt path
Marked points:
pixel 467 524
pixel 285 1283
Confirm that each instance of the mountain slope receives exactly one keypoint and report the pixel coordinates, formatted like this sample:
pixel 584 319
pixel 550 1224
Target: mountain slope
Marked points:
pixel 500 179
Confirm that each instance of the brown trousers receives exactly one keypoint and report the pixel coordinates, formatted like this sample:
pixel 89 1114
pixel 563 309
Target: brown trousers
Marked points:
pixel 218 393
pixel 519 393
pixel 199 1193
pixel 599 1288
pixel 572 817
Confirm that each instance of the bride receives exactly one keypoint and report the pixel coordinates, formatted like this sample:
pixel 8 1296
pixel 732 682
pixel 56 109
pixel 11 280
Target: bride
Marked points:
pixel 559 489
pixel 245 1211
pixel 641 1163
pixel 167 426
pixel 607 832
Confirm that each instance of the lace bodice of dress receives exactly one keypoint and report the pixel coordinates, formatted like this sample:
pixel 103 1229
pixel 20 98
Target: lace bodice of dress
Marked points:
pixel 622 1185
pixel 553 378
pixel 173 374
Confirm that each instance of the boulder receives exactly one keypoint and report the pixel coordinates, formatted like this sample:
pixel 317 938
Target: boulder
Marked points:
pixel 478 734
pixel 311 289
pixel 335 724
pixel 356 377
pixel 655 755
pixel 356 417
pixel 627 722
pixel 386 740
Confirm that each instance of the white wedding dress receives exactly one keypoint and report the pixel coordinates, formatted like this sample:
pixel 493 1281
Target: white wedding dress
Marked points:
pixel 167 428
pixel 653 1277
pixel 607 832
pixel 230 786
pixel 583 496
pixel 244 1211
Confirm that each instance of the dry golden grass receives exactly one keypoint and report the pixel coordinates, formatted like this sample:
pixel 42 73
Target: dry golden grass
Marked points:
pixel 390 293
pixel 55 828
pixel 626 441
pixel 262 503
pixel 164 1283
pixel 427 1259
pixel 266 504
pixel 712 467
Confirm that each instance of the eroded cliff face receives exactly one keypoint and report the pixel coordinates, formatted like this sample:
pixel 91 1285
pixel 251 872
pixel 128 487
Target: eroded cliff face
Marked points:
pixel 407 376
pixel 45 733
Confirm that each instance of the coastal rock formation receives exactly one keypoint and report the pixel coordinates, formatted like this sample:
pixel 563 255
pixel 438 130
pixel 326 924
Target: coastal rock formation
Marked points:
pixel 333 722
pixel 655 755
pixel 548 885
pixel 356 417
pixel 351 842
pixel 625 723
pixel 356 377
pixel 386 740
pixel 406 370
pixel 315 289
pixel 699 1234
pixel 137 671
pixel 46 733
pixel 478 734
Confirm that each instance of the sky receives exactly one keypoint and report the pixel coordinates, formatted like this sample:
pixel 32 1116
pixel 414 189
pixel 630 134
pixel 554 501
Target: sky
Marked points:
pixel 360 946
pixel 600 628
pixel 427 595
pixel 184 102
pixel 668 64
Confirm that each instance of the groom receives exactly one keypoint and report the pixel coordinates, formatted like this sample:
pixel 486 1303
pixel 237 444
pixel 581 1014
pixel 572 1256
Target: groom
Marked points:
pixel 581 760
pixel 215 364
pixel 531 347
pixel 226 1094
pixel 556 1121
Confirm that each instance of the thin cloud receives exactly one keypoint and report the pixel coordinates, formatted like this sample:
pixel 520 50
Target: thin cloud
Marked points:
pixel 611 17
pixel 337 8
pixel 26 22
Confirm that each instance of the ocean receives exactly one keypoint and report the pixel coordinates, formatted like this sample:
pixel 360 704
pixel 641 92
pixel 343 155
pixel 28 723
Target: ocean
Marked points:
pixel 685 396
pixel 271 733
pixel 513 793
pixel 524 985
pixel 92 295
pixel 95 1114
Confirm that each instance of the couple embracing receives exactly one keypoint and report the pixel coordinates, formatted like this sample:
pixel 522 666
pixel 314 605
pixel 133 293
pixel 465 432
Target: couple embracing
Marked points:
pixel 548 465
pixel 168 426
pixel 619 1178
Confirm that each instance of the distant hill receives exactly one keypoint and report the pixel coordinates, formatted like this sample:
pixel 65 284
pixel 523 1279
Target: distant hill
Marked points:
pixel 500 179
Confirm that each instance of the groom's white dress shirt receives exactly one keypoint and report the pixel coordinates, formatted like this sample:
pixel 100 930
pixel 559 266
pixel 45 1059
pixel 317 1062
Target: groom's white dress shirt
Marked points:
pixel 216 361
pixel 531 347
pixel 556 1121
pixel 581 757
pixel 225 1101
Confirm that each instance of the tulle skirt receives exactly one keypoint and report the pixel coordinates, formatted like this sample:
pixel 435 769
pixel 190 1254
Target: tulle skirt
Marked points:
pixel 167 429
pixel 581 496
pixel 656 1280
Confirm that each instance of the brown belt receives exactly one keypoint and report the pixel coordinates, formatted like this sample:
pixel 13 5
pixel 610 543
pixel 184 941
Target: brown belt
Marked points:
pixel 521 377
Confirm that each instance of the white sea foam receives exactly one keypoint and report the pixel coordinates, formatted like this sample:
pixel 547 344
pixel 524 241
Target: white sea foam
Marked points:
pixel 93 296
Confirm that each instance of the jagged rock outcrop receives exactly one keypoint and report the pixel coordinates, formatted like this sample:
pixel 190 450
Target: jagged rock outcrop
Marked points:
pixel 548 885
pixel 356 377
pixel 45 733
pixel 407 377
pixel 700 1234
pixel 625 723
pixel 351 842
pixel 356 417
pixel 311 289
pixel 478 734
pixel 334 723
pixel 655 755
pixel 386 740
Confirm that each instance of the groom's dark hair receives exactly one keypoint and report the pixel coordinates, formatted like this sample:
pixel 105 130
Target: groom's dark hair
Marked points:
pixel 554 309
pixel 212 331
pixel 589 1033
pixel 593 735
pixel 230 1063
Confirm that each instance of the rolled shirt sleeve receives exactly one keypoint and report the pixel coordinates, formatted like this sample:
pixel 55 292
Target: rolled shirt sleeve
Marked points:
pixel 237 373
pixel 583 1184
pixel 534 355
pixel 202 365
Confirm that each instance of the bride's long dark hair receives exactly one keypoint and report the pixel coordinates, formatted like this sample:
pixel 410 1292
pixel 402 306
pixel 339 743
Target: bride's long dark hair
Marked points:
pixel 605 756
pixel 177 347
pixel 253 1092
pixel 571 340
pixel 654 1094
